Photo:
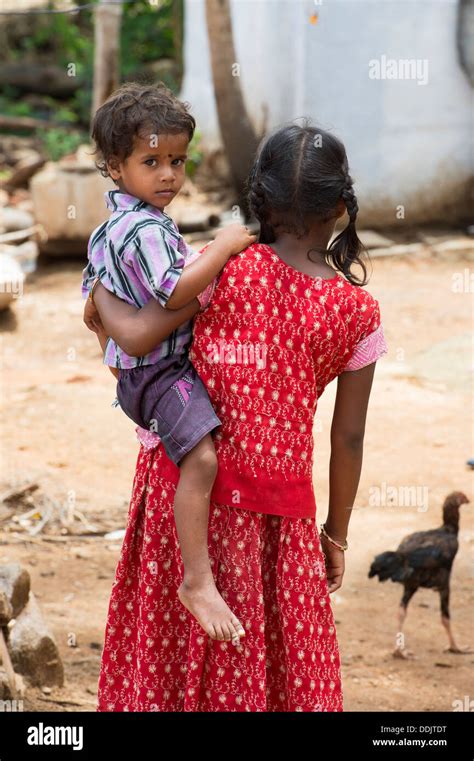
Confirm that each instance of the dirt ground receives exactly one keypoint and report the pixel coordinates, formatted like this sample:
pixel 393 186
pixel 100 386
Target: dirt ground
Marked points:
pixel 59 429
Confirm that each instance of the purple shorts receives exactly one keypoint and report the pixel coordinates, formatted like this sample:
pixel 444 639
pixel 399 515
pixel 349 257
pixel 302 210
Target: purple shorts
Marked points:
pixel 170 399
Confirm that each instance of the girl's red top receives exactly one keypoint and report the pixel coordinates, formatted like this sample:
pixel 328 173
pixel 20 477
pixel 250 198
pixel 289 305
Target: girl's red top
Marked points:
pixel 266 347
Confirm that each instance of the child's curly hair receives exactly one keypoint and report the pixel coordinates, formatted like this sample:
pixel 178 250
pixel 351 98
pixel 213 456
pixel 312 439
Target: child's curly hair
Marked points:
pixel 136 110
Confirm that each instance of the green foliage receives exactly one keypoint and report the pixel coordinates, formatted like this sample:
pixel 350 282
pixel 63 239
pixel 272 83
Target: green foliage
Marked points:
pixel 65 114
pixel 81 104
pixel 10 106
pixel 63 38
pixel 58 142
pixel 194 154
pixel 147 35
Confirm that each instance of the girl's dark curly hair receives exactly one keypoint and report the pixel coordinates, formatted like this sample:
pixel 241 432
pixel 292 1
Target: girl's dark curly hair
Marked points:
pixel 298 177
pixel 137 110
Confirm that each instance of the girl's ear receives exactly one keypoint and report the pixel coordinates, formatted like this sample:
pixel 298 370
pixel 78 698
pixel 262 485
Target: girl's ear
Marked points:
pixel 113 168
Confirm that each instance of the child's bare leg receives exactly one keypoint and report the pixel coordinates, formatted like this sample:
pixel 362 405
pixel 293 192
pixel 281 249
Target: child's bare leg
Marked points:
pixel 198 592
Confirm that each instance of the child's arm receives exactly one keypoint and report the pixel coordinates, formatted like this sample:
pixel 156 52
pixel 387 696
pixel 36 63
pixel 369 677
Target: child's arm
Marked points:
pixel 136 331
pixel 194 278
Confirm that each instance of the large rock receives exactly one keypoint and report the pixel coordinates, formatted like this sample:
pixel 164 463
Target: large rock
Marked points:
pixel 33 649
pixel 35 76
pixel 6 610
pixel 12 219
pixel 13 704
pixel 24 170
pixel 15 583
pixel 25 254
pixel 12 279
pixel 69 203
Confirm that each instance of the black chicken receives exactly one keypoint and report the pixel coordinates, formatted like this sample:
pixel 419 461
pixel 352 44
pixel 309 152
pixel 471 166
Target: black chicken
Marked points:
pixel 424 559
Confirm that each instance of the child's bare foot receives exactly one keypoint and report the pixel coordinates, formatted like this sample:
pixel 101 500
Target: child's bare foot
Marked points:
pixel 204 602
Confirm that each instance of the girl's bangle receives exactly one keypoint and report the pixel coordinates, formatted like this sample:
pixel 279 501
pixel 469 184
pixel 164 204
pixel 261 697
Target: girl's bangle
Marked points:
pixel 91 292
pixel 342 547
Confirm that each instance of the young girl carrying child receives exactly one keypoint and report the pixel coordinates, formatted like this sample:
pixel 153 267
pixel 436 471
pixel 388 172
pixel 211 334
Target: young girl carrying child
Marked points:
pixel 142 135
pixel 300 293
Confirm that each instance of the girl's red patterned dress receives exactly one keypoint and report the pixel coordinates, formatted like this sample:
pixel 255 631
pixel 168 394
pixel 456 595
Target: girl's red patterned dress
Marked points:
pixel 266 347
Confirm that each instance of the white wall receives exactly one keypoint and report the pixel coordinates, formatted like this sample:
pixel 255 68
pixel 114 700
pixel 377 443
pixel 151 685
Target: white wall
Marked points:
pixel 407 143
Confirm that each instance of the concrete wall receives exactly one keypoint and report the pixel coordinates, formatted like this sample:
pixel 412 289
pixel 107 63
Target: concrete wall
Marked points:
pixel 408 143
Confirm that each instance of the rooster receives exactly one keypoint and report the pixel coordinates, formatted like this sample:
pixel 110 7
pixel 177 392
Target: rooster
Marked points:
pixel 424 559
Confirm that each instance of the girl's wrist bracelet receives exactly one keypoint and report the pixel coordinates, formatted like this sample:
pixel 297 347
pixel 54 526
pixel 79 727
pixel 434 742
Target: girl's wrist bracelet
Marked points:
pixel 91 292
pixel 342 547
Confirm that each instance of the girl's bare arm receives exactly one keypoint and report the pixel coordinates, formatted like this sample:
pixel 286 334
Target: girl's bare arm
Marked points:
pixel 139 331
pixel 347 444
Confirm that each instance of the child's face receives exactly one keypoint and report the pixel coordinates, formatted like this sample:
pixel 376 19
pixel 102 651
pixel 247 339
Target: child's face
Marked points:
pixel 155 166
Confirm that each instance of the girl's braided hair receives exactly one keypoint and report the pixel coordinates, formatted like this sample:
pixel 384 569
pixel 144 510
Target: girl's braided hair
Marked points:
pixel 299 175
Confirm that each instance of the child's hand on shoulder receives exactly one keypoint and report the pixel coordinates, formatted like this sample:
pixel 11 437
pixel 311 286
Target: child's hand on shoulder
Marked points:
pixel 235 237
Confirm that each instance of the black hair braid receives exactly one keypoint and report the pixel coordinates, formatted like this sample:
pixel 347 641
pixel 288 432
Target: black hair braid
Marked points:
pixel 349 198
pixel 347 249
pixel 257 202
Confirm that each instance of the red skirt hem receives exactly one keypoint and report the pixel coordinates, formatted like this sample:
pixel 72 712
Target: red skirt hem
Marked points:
pixel 269 569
